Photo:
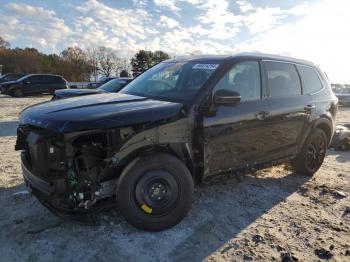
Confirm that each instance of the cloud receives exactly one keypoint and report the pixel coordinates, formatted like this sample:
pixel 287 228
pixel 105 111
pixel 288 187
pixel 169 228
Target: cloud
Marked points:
pixel 167 22
pixel 30 11
pixel 316 31
pixel 244 6
pixel 33 24
pixel 121 22
pixel 263 19
pixel 170 4
pixel 322 36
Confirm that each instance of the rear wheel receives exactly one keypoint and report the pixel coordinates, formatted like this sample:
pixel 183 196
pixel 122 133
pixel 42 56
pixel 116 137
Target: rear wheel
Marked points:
pixel 155 192
pixel 312 154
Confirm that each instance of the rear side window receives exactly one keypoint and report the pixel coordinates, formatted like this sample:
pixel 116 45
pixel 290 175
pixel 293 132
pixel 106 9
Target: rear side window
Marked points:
pixel 56 79
pixel 310 80
pixel 282 79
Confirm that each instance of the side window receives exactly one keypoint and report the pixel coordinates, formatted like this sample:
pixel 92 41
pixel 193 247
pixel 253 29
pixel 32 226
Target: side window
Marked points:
pixel 282 79
pixel 310 80
pixel 59 80
pixel 51 79
pixel 48 79
pixel 34 79
pixel 243 78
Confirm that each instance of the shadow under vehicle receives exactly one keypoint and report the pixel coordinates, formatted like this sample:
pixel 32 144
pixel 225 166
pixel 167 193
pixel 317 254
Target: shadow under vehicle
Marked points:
pixel 112 86
pixel 174 126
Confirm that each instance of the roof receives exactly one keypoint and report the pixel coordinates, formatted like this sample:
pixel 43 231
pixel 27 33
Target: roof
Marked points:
pixel 43 75
pixel 206 58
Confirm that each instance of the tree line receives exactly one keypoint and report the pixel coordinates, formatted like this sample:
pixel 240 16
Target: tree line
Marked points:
pixel 76 64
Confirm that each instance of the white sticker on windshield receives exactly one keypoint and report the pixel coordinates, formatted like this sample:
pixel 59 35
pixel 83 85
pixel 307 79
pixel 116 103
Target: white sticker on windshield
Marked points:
pixel 206 66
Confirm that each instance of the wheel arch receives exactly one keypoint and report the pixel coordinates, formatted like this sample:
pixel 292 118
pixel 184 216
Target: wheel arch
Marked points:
pixel 12 89
pixel 180 151
pixel 325 125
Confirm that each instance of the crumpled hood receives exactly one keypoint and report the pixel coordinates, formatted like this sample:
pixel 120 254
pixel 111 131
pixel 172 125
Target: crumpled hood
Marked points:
pixel 108 110
pixel 63 93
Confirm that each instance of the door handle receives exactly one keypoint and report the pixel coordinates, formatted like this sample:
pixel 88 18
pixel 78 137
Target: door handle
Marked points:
pixel 262 115
pixel 309 107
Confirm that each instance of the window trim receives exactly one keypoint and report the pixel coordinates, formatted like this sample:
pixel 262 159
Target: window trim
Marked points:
pixel 262 85
pixel 268 95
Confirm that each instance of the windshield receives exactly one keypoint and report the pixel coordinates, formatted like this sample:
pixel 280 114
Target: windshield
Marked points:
pixel 105 79
pixel 113 86
pixel 2 76
pixel 172 81
pixel 22 78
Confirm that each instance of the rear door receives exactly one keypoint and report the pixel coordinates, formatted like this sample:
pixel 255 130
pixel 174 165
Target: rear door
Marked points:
pixel 289 109
pixel 49 84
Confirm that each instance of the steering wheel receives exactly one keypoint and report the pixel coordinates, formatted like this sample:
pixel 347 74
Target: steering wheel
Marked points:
pixel 158 81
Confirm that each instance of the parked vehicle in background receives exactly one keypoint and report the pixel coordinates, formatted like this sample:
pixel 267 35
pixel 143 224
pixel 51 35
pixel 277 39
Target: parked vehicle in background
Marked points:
pixel 10 77
pixel 343 96
pixel 113 86
pixel 102 81
pixel 34 84
pixel 177 124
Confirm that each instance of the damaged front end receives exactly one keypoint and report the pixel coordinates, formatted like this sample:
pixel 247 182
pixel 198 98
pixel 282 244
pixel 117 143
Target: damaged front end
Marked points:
pixel 74 150
pixel 69 172
pixel 73 172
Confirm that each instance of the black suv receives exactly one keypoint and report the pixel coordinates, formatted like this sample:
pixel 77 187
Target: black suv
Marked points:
pixel 176 125
pixel 34 84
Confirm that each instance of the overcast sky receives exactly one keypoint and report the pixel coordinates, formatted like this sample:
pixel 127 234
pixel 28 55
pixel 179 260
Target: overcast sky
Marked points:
pixel 318 31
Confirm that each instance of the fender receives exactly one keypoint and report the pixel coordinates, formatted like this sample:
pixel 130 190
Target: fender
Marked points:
pixel 175 136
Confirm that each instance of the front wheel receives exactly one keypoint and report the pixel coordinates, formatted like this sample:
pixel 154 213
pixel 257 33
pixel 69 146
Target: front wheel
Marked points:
pixel 15 92
pixel 155 192
pixel 312 153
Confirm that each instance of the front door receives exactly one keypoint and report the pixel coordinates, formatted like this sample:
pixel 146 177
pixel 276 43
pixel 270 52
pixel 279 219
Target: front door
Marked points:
pixel 33 85
pixel 235 137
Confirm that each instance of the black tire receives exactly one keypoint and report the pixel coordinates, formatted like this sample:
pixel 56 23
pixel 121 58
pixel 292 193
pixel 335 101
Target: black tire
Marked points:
pixel 15 92
pixel 155 192
pixel 312 154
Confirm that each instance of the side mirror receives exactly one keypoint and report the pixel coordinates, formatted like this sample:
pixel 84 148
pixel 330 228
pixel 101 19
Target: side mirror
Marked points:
pixel 225 97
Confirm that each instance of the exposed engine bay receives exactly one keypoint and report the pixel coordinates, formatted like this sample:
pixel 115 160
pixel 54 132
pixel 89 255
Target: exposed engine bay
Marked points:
pixel 79 166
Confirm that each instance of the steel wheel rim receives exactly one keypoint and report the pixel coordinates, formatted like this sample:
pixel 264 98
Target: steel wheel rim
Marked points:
pixel 156 192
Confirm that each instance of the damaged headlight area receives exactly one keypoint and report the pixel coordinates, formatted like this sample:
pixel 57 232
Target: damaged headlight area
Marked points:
pixel 70 171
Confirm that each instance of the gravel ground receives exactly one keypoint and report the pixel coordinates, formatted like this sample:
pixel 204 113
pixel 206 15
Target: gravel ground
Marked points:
pixel 270 215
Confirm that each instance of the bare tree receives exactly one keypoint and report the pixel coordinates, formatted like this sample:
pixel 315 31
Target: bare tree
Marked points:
pixel 94 61
pixel 107 60
pixel 123 64
pixel 3 43
pixel 78 67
